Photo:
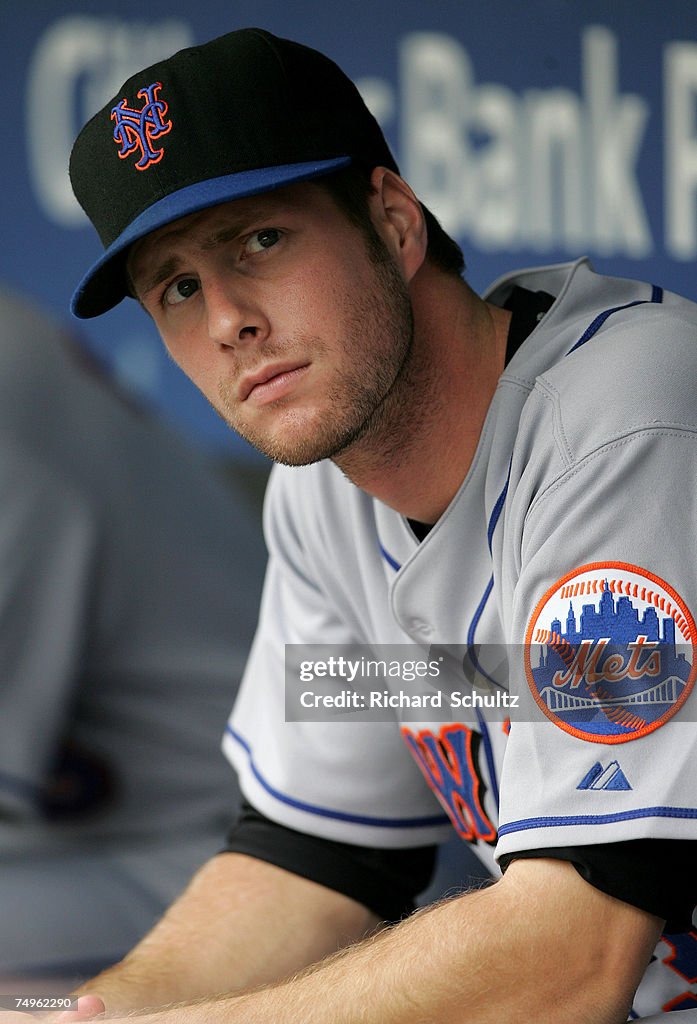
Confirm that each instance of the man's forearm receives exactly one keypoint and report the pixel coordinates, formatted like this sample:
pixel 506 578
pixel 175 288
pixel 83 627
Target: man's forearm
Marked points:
pixel 540 946
pixel 240 924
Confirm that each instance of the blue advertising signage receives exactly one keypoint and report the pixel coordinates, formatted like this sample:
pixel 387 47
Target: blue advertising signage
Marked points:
pixel 536 133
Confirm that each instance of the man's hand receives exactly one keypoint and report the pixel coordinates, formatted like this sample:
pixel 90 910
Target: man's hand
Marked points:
pixel 88 1007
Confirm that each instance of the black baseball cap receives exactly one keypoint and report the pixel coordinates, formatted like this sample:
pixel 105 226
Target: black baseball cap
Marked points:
pixel 242 114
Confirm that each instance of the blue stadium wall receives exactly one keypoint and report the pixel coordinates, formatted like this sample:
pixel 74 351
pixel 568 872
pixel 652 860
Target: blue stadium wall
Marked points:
pixel 537 132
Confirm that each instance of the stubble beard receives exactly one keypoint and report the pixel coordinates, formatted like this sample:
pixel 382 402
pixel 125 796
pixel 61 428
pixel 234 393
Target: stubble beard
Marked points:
pixel 365 414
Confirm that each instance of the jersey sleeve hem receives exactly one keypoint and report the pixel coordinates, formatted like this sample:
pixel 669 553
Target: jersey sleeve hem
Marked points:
pixel 325 821
pixel 579 830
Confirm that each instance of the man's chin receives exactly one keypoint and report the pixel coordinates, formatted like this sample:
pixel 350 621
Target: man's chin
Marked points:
pixel 290 448
pixel 299 453
pixel 294 448
pixel 302 437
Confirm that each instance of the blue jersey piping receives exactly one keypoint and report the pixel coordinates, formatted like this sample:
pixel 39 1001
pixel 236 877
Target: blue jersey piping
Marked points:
pixel 595 325
pixel 554 821
pixel 327 812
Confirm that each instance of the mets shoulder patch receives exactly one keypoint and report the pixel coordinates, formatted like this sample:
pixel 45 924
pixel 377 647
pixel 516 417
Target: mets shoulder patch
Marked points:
pixel 610 652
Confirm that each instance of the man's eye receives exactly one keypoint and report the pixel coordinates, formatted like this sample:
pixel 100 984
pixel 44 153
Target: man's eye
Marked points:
pixel 180 290
pixel 261 240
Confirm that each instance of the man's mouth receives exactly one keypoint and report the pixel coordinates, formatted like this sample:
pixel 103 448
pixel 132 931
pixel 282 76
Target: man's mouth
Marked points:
pixel 270 382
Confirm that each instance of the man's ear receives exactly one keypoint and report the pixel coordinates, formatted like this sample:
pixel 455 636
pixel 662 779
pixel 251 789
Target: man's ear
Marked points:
pixel 399 219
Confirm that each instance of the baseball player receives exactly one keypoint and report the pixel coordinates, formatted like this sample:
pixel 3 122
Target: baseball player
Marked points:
pixel 501 485
pixel 125 620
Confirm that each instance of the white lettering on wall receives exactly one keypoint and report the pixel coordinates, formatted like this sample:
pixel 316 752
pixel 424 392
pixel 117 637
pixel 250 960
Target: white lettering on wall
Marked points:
pixel 681 149
pixel 77 65
pixel 544 169
pixel 552 168
pixel 615 130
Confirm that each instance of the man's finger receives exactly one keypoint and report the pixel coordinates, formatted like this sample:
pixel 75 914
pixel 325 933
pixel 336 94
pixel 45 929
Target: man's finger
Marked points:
pixel 88 1007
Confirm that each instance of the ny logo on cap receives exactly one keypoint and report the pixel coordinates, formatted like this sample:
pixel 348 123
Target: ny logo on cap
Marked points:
pixel 134 130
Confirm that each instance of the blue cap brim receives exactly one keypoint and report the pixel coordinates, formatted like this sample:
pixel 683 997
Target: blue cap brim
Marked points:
pixel 104 285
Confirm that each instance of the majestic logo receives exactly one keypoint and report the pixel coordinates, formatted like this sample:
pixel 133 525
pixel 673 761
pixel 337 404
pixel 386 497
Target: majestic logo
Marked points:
pixel 135 130
pixel 611 778
pixel 621 666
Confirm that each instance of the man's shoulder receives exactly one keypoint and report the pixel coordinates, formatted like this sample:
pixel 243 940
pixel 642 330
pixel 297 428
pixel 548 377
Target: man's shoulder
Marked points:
pixel 633 365
pixel 611 353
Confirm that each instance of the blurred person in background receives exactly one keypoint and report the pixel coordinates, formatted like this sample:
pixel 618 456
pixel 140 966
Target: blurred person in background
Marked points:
pixel 130 575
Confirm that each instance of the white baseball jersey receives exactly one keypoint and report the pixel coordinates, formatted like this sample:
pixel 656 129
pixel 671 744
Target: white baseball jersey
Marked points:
pixel 129 581
pixel 569 547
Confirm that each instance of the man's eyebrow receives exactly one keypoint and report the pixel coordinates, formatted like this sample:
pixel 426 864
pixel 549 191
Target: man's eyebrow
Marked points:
pixel 239 224
pixel 145 282
pixel 227 234
pixel 149 279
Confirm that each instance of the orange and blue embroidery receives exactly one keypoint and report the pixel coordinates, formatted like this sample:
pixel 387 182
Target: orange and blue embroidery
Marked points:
pixel 682 960
pixel 135 130
pixel 449 761
pixel 618 666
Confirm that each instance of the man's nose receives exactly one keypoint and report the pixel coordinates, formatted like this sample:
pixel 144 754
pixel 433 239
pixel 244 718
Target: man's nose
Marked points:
pixel 234 318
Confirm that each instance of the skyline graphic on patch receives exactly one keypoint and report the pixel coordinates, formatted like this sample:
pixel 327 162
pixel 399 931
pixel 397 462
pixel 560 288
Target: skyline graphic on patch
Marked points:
pixel 135 130
pixel 610 652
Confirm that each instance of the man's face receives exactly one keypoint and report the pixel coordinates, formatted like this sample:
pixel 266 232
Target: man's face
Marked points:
pixel 275 309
